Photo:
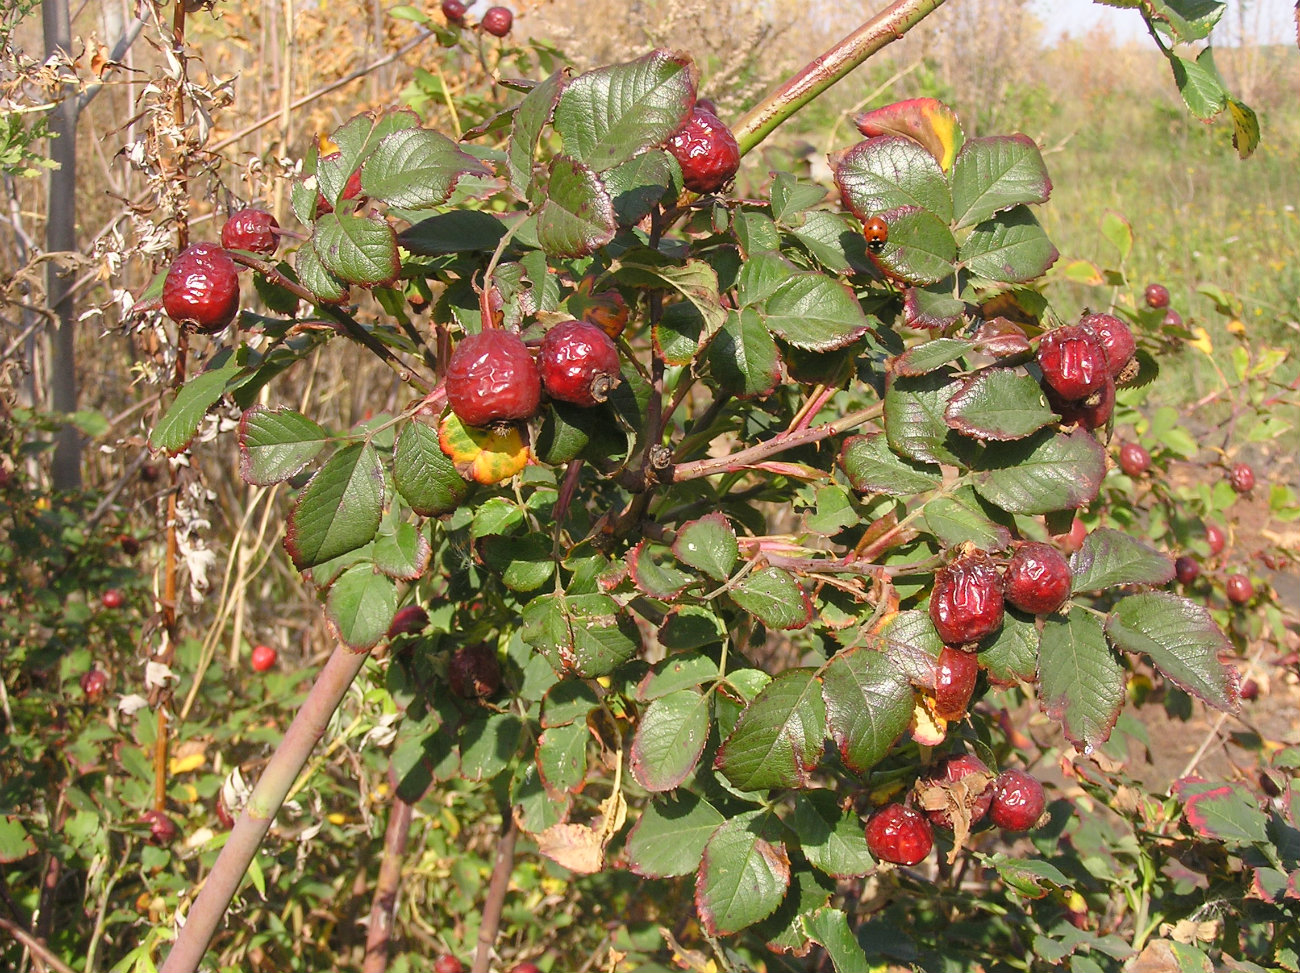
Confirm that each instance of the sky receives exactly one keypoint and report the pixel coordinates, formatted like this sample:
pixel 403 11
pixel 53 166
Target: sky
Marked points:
pixel 1273 21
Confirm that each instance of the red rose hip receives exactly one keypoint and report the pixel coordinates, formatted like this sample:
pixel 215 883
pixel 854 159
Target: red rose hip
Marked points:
pixel 1241 477
pixel 967 602
pixel 254 230
pixel 112 598
pixel 1115 338
pixel 899 834
pixel 954 681
pixel 1038 578
pixel 1157 295
pixel 491 378
pixel 706 151
pixel 1073 362
pixel 454 11
pixel 1216 538
pixel 1239 589
pixel 201 290
pixel 1090 413
pixel 1186 569
pixel 94 684
pixel 579 363
pixel 448 964
pixel 162 829
pixel 1018 801
pixel 497 21
pixel 951 771
pixel 474 672
pixel 1134 460
pixel 263 657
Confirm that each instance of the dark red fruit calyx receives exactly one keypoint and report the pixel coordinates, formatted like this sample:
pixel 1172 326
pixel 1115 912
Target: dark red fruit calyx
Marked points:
pixel 254 230
pixel 474 672
pixel 454 11
pixel 1187 569
pixel 579 363
pixel 976 795
pixel 1091 413
pixel 498 21
pixel 94 684
pixel 1115 338
pixel 1216 538
pixel 954 681
pixel 1038 578
pixel 1018 801
pixel 1157 295
pixel 1134 460
pixel 966 603
pixel 1241 478
pixel 112 598
pixel 408 621
pixel 1239 589
pixel 492 378
pixel 162 829
pixel 899 834
pixel 1073 362
pixel 448 964
pixel 263 657
pixel 201 290
pixel 707 152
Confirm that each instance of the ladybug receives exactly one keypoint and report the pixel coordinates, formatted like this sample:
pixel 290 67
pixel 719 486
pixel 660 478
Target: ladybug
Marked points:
pixel 877 232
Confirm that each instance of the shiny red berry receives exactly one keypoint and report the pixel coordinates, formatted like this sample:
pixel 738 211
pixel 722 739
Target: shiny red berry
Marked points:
pixel 877 234
pixel 579 363
pixel 525 967
pixel 112 598
pixel 448 964
pixel 498 21
pixel 1134 460
pixel 491 377
pixel 1073 362
pixel 201 290
pixel 1018 801
pixel 263 657
pixel 1157 295
pixel 966 603
pixel 899 834
pixel 94 684
pixel 1239 589
pixel 1115 338
pixel 1172 319
pixel 408 621
pixel 454 11
pixel 1038 578
pixel 162 829
pixel 1216 538
pixel 474 672
pixel 954 681
pixel 254 230
pixel 706 151
pixel 1187 569
pixel 1090 413
pixel 1241 478
pixel 952 770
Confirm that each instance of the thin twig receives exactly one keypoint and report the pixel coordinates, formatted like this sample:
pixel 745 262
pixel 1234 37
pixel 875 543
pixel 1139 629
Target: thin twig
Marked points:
pixel 496 896
pixel 380 929
pixel 38 949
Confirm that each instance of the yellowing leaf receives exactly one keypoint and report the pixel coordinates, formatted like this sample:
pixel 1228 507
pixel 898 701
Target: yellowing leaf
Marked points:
pixel 185 764
pixel 336 818
pixel 1236 327
pixel 927 729
pixel 327 145
pixel 1202 341
pixel 483 455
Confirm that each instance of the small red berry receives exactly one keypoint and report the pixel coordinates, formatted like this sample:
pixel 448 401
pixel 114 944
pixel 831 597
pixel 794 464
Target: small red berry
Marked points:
pixel 1172 319
pixel 579 363
pixel 1187 569
pixel 491 377
pixel 1157 295
pixel 497 21
pixel 952 770
pixel 966 603
pixel 474 672
pixel 1216 538
pixel 1038 578
pixel 1239 589
pixel 162 829
pixel 254 230
pixel 408 621
pixel 130 545
pixel 94 684
pixel 525 967
pixel 263 657
pixel 112 598
pixel 448 964
pixel 201 289
pixel 899 834
pixel 1018 801
pixel 454 11
pixel 877 234
pixel 1250 690
pixel 1241 478
pixel 1115 338
pixel 706 151
pixel 1134 460
pixel 1073 362
pixel 954 681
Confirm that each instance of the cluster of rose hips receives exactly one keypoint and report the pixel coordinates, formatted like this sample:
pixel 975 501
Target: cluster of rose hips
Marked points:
pixel 1157 297
pixel 201 289
pixel 1081 365
pixel 497 21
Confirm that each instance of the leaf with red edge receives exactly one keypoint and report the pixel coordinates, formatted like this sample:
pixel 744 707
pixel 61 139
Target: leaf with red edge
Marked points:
pixel 889 174
pixel 709 545
pixel 927 120
pixel 578 214
pixel 274 444
pixel 995 173
pixel 670 836
pixel 482 455
pixel 932 308
pixel 652 571
pixel 1110 557
pixel 1046 472
pixel 775 598
pixel 356 249
pixel 669 738
pixel 742 878
pixel 778 739
pixel 1000 404
pixel 1080 682
pixel 921 248
pixel 868 705
pixel 1223 812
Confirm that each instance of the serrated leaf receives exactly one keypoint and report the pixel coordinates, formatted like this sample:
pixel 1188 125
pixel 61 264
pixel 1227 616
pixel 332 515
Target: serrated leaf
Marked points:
pixel 838 245
pixel 460 231
pixel 568 701
pixel 1012 656
pixel 1190 20
pixel 483 455
pixel 1111 557
pixel 578 214
pixel 830 929
pixel 1000 404
pixel 313 275
pixel 921 248
pixel 683 671
pixel 1012 248
pixel 783 930
pixel 931 356
pixel 1182 641
pixel 669 738
pixel 581 635
pixel 562 757
pixel 775 598
pixel 356 249
pixel 354 141
pixel 524 563
pixel 742 878
pixel 1030 877
pixel 1199 83
pixel 927 120
pixel 424 474
pixel 1047 472
pixel 180 422
pixel 417 169
pixel 791 198
pixel 532 115
pixel 15 843
pixel 613 113
pixel 743 358
pixel 831 838
pixel 815 312
pixel 488 744
pixel 340 508
pixel 274 444
pixel 834 512
pixel 669 838
pixel 709 545
pixel 1119 232
pixel 403 554
pixel 638 185
pixel 653 572
pixel 872 467
pixel 890 172
pixel 868 705
pixel 1245 128
pixel 361 606
pixel 1228 813
pixel 993 174
pixel 778 739
pixel 914 416
pixel 956 520
pixel 1080 683
pixel 690 627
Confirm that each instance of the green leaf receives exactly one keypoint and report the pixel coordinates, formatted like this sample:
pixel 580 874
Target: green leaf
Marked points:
pixel 488 745
pixel 830 929
pixel 15 843
pixel 834 511
pixel 1200 85
pixel 778 739
pixel 815 312
pixel 536 807
pixel 838 245
pixel 873 468
pixel 357 138
pixel 681 671
pixel 958 519
pixel 1080 682
pixel 638 185
pixel 524 563
pixel 1000 404
pixel 532 115
pixel 313 275
pixel 931 356
pixel 181 421
pixel 274 444
pixel 709 545
pixel 403 554
pixel 1030 877
pixel 568 701
pixel 890 172
pixel 1224 812
pixel 775 598
pixel 496 515
pixel 580 635
pixel 1119 232
pixel 994 174
pixel 792 198
pixel 562 757
pixel 613 113
pixel 417 169
pixel 1012 247
pixel 423 474
pixel 340 508
pixel 743 358
pixel 669 838
pixel 1181 640
pixel 921 248
pixel 578 214
pixel 761 276
pixel 655 573
pixel 1190 20
pixel 1012 656
pixel 690 627
pixel 830 837
pixel 694 280
pixel 361 606
pixel 932 307
pixel 742 878
pixel 1050 471
pixel 868 705
pixel 460 231
pixel 914 416
pixel 757 234
pixel 356 249
pixel 669 738
pixel 1111 557
pixel 569 429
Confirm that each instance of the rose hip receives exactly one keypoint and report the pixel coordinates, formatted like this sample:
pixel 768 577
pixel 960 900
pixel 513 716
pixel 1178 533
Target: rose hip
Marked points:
pixel 899 834
pixel 1038 578
pixel 1018 801
pixel 491 377
pixel 1073 362
pixel 967 604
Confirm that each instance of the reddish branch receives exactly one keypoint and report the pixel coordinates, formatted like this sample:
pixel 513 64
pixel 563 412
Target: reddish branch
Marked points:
pixel 496 896
pixel 380 929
